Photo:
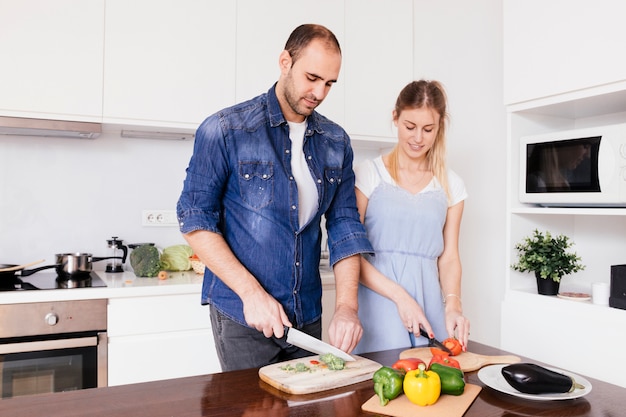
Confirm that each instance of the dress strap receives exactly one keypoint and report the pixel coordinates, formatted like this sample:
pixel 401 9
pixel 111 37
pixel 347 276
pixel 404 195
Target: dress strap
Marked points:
pixel 380 176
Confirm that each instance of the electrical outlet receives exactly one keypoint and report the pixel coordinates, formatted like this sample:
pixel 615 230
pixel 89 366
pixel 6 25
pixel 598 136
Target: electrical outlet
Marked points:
pixel 159 218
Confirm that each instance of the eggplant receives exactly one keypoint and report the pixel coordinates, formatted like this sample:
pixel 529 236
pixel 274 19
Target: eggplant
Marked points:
pixel 531 378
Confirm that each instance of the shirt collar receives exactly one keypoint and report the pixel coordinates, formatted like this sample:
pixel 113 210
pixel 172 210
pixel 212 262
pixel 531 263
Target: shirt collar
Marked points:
pixel 277 118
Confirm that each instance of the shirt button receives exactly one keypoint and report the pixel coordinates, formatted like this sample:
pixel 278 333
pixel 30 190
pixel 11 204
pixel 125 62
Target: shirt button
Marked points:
pixel 297 263
pixel 246 176
pixel 290 178
pixel 286 150
pixel 293 207
pixel 264 176
pixel 331 180
pixel 309 157
pixel 319 181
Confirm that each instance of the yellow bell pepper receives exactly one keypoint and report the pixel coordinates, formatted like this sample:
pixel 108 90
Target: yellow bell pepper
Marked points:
pixel 422 387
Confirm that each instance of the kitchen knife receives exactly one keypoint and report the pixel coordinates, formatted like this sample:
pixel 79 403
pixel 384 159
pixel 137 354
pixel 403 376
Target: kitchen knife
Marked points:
pixel 307 342
pixel 434 342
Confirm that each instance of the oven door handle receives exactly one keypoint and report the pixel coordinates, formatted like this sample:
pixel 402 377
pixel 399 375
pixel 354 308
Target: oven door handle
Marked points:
pixel 37 346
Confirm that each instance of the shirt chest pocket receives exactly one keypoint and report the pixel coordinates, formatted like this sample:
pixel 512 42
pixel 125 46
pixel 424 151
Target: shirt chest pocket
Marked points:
pixel 256 183
pixel 332 180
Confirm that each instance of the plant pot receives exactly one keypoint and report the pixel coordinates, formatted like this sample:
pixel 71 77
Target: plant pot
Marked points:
pixel 547 286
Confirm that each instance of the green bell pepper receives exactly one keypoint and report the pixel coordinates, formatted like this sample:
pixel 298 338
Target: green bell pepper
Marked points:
pixel 388 384
pixel 452 379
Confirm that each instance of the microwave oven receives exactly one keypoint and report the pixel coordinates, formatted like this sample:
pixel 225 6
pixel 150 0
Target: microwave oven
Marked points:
pixel 574 168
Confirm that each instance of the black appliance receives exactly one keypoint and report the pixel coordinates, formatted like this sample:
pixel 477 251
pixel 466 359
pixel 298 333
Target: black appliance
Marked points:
pixel 618 287
pixel 50 281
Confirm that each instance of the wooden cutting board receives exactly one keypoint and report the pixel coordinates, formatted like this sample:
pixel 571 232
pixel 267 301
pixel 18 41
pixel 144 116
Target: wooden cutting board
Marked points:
pixel 446 405
pixel 468 361
pixel 319 378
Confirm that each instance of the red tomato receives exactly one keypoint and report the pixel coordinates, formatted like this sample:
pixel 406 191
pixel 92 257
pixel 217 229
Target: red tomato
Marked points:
pixel 454 346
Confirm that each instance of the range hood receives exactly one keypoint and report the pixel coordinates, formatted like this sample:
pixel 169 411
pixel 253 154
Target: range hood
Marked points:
pixel 21 126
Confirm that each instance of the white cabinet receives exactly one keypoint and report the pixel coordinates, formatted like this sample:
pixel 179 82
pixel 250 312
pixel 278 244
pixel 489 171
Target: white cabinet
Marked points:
pixel 564 333
pixel 329 296
pixel 258 49
pixel 159 337
pixel 52 59
pixel 372 66
pixel 168 63
pixel 378 62
pixel 552 47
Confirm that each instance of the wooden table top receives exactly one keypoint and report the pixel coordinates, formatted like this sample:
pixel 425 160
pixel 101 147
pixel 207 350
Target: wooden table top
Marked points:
pixel 242 393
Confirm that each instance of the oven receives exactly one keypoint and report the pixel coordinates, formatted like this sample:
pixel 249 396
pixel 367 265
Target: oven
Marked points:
pixel 52 346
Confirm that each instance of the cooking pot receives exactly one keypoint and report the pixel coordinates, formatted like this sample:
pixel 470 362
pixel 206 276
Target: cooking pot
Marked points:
pixel 68 265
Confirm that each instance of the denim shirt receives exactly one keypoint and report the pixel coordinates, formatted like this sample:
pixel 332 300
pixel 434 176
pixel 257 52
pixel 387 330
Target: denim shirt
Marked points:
pixel 239 184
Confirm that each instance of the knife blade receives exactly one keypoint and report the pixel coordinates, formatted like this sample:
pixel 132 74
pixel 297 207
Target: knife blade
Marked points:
pixel 310 343
pixel 434 342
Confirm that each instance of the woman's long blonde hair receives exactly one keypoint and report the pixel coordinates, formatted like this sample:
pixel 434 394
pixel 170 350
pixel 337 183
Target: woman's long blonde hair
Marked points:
pixel 430 95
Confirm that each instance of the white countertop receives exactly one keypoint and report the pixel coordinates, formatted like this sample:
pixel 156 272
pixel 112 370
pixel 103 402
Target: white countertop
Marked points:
pixel 125 284
pixel 119 285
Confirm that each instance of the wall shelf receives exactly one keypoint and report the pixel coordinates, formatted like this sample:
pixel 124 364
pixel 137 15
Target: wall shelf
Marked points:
pixel 598 234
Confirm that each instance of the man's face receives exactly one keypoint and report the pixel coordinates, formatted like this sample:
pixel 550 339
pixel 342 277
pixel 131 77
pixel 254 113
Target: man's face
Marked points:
pixel 303 85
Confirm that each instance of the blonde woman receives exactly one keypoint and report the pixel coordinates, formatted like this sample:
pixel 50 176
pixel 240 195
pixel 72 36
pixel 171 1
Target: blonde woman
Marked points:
pixel 411 205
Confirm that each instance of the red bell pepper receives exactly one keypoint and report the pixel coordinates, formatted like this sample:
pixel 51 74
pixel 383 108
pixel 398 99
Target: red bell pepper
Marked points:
pixel 444 360
pixel 407 364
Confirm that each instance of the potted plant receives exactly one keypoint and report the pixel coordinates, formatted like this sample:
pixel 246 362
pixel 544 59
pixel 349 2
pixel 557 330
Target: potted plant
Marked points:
pixel 548 258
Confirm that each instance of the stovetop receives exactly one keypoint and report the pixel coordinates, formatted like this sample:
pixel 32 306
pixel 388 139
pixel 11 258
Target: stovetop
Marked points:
pixel 51 281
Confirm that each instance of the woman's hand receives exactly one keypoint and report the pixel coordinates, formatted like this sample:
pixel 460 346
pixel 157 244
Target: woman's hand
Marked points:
pixel 457 325
pixel 412 314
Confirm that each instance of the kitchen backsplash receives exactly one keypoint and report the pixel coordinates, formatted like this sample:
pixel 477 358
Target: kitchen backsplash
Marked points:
pixel 70 195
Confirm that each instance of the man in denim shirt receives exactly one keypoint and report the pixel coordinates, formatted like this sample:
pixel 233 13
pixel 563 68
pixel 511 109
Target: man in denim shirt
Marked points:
pixel 262 174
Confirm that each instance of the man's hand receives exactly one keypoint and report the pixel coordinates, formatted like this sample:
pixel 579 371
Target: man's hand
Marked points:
pixel 345 329
pixel 264 313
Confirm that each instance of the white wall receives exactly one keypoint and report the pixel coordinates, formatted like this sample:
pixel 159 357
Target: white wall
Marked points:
pixel 61 195
pixel 64 195
pixel 460 44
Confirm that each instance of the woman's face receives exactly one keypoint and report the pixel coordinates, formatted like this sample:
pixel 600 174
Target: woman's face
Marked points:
pixel 417 131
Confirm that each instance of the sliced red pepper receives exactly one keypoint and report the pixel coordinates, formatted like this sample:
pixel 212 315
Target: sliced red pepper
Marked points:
pixel 314 362
pixel 407 364
pixel 435 351
pixel 444 360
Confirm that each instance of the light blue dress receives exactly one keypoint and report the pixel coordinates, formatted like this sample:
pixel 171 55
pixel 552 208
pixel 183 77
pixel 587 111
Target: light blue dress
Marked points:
pixel 406 231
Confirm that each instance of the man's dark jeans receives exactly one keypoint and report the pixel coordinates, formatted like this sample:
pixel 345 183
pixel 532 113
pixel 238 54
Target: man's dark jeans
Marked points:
pixel 242 347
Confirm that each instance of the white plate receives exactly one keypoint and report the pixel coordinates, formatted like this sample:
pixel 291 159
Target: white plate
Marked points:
pixel 492 377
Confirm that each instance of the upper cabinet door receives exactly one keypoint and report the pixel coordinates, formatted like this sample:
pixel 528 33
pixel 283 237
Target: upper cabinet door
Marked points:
pixel 378 62
pixel 554 47
pixel 263 28
pixel 168 63
pixel 52 59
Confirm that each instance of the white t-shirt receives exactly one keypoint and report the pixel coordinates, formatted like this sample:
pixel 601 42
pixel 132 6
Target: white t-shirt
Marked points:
pixel 307 190
pixel 367 179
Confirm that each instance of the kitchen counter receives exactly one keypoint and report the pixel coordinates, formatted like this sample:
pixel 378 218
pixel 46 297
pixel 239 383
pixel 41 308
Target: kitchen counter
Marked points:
pixel 242 393
pixel 119 285
pixel 125 284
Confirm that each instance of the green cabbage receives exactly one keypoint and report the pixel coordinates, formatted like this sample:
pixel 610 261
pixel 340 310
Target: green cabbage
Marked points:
pixel 176 258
